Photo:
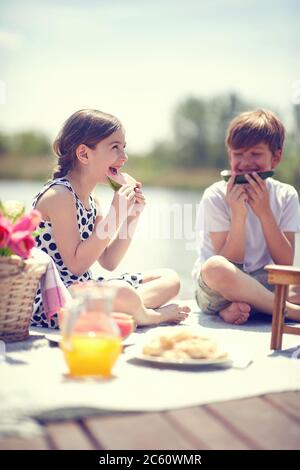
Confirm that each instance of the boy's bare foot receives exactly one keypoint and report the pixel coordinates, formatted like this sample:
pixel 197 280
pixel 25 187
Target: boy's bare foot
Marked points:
pixel 294 294
pixel 168 313
pixel 295 299
pixel 236 313
pixel 293 311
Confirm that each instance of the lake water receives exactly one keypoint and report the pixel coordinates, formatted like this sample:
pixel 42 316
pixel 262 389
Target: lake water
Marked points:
pixel 161 240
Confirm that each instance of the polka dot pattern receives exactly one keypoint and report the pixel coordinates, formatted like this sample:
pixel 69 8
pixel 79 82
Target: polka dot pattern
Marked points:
pixel 45 241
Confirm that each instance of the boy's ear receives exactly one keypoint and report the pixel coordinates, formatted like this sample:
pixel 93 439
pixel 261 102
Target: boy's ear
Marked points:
pixel 229 155
pixel 276 157
pixel 81 154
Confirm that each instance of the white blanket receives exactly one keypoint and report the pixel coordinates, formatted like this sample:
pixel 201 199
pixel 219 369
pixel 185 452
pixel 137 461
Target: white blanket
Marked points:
pixel 33 379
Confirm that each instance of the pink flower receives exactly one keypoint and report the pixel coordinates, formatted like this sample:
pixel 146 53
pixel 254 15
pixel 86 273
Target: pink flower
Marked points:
pixel 5 231
pixel 16 229
pixel 21 243
pixel 28 222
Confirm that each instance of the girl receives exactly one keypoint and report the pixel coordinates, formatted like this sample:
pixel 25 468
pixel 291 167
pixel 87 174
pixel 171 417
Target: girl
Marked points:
pixel 88 146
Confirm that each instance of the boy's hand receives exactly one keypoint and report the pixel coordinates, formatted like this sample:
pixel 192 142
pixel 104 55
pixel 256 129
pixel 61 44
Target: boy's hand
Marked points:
pixel 258 196
pixel 236 198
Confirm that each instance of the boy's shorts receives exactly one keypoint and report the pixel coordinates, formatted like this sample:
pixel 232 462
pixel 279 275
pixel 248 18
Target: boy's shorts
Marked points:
pixel 211 302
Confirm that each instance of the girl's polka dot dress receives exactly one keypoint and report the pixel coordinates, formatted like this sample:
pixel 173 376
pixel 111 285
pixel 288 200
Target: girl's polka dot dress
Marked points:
pixel 45 241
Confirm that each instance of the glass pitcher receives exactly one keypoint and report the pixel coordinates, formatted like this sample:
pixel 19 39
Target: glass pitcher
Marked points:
pixel 91 340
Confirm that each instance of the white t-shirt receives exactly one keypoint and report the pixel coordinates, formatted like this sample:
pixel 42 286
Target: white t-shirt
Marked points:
pixel 214 216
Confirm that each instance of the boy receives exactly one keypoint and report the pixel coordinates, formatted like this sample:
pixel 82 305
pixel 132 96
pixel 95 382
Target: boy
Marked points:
pixel 243 227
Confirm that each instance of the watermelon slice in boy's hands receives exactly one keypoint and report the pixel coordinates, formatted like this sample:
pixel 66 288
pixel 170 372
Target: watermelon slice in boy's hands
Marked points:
pixel 116 179
pixel 240 178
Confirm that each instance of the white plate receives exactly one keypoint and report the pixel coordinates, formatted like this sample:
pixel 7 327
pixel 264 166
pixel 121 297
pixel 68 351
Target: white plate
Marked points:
pixel 185 362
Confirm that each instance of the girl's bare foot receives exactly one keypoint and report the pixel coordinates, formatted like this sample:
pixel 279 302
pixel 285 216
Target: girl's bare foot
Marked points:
pixel 236 313
pixel 173 313
pixel 168 313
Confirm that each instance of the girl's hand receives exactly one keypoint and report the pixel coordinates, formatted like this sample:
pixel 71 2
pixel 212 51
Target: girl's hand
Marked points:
pixel 123 202
pixel 140 201
pixel 236 198
pixel 258 196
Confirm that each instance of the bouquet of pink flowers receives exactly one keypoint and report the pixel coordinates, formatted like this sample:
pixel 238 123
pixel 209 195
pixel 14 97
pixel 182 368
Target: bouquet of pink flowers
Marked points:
pixel 17 229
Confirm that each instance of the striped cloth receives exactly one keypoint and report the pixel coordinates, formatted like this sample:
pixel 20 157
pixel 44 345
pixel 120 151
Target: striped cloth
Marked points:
pixel 54 292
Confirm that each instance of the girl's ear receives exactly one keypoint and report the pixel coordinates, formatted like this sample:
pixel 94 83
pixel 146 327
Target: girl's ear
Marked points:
pixel 276 157
pixel 81 154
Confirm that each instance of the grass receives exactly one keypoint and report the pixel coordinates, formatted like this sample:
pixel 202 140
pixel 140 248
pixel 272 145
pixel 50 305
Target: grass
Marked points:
pixel 26 168
pixel 145 170
pixel 150 172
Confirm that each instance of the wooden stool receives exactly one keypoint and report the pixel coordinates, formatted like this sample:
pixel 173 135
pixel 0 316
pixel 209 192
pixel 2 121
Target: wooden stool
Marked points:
pixel 282 277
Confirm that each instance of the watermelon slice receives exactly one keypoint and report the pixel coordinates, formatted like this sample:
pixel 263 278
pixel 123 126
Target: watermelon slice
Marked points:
pixel 240 179
pixel 116 179
pixel 125 323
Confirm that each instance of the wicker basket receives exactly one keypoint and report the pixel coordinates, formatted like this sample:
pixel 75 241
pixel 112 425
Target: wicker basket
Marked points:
pixel 18 284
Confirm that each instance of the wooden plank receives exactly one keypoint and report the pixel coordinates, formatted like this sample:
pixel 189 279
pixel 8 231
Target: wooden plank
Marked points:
pixel 278 316
pixel 136 431
pixel 288 402
pixel 205 431
pixel 278 274
pixel 68 436
pixel 291 330
pixel 282 268
pixel 259 423
pixel 19 443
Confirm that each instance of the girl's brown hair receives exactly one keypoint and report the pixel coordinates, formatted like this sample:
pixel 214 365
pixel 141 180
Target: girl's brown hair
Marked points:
pixel 254 127
pixel 87 126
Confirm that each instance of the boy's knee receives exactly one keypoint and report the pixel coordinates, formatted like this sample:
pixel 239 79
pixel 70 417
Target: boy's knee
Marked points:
pixel 215 270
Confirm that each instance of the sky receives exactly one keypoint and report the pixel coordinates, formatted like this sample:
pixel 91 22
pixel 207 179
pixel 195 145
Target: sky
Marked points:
pixel 139 59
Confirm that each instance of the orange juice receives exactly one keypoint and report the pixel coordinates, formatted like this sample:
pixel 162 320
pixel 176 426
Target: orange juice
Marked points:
pixel 92 354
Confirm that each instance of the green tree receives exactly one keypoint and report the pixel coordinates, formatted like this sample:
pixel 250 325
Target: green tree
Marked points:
pixel 4 144
pixel 190 129
pixel 200 127
pixel 30 144
pixel 162 153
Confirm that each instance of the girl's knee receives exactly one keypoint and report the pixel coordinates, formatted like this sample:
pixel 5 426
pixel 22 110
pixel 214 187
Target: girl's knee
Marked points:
pixel 167 277
pixel 173 279
pixel 123 289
